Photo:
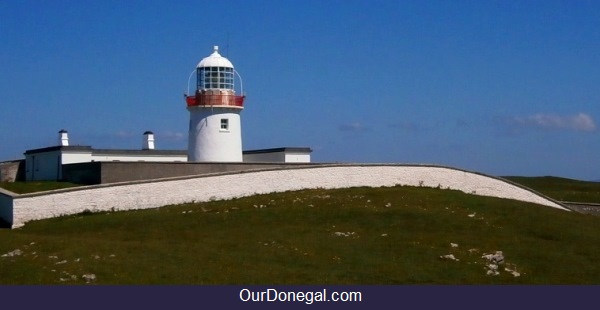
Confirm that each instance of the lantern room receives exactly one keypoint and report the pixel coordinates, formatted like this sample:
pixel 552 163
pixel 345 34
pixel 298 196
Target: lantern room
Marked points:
pixel 215 81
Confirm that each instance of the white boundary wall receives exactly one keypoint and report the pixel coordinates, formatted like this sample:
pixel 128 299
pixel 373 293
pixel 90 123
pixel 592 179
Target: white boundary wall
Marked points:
pixel 157 193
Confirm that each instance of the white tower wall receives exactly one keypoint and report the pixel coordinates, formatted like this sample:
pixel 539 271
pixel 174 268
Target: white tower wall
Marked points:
pixel 215 135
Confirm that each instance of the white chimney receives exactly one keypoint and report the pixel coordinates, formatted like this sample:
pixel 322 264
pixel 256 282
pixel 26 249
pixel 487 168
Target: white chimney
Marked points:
pixel 63 138
pixel 148 141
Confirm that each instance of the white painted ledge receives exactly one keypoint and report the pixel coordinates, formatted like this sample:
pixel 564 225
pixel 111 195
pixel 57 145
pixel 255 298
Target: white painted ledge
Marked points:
pixel 158 193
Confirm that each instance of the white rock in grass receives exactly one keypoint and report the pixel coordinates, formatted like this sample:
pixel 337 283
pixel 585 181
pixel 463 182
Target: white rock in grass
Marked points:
pixel 513 272
pixel 343 234
pixel 89 277
pixel 497 258
pixel 492 267
pixel 492 272
pixel 16 252
pixel 450 257
pixel 494 260
pixel 454 245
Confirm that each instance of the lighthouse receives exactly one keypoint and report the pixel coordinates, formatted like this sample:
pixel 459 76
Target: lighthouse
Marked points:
pixel 215 132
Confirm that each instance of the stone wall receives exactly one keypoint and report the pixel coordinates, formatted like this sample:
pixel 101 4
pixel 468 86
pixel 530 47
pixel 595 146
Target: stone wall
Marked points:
pixel 157 193
pixel 11 171
pixel 112 172
pixel 82 173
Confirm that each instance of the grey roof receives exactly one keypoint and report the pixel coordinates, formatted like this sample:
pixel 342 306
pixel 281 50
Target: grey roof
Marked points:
pixel 139 152
pixel 280 149
pixel 86 148
pixel 61 148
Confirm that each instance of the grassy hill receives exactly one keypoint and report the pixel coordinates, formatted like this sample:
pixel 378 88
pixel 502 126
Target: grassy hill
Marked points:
pixel 38 186
pixel 562 189
pixel 395 235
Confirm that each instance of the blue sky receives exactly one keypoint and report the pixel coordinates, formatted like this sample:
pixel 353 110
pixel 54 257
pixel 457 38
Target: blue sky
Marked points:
pixel 500 87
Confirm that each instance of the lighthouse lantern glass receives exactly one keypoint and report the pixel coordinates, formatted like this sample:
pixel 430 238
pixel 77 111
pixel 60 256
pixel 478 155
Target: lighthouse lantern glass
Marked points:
pixel 215 78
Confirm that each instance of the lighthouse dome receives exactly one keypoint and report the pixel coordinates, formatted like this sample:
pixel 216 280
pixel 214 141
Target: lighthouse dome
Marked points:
pixel 215 60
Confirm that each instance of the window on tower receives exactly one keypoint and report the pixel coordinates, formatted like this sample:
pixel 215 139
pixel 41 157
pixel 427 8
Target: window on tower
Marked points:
pixel 224 124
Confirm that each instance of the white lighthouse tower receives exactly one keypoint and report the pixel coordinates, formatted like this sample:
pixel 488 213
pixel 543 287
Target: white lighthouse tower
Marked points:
pixel 215 133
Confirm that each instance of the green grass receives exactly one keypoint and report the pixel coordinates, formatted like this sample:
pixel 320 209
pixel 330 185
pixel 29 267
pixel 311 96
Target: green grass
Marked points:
pixel 562 189
pixel 31 187
pixel 395 235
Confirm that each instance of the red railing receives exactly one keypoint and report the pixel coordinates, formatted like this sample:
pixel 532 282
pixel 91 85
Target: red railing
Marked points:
pixel 215 100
